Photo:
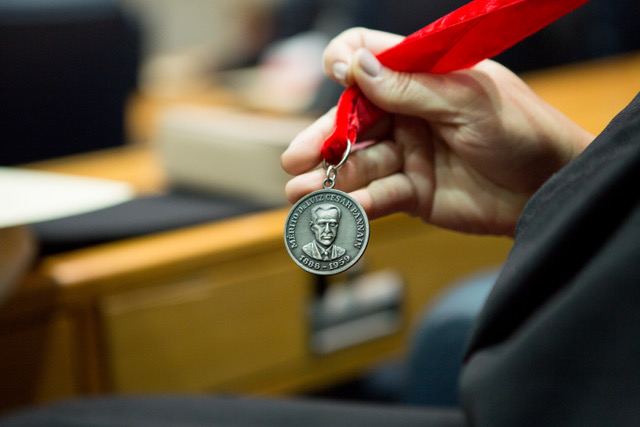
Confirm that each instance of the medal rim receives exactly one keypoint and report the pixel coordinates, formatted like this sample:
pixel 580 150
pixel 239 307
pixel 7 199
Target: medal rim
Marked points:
pixel 356 258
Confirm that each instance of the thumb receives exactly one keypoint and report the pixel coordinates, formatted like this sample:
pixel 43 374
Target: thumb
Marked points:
pixel 430 96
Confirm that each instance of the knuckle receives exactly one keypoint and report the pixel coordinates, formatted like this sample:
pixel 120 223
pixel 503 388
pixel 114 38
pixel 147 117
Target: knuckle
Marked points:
pixel 400 91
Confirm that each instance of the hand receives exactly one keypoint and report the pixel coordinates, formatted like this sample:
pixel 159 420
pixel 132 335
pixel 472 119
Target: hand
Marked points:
pixel 464 150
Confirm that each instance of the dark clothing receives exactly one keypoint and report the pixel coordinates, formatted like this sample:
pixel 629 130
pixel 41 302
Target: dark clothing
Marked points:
pixel 558 341
pixel 227 412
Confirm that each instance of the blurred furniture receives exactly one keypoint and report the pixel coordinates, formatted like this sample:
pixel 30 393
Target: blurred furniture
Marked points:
pixel 66 69
pixel 219 307
pixel 216 307
pixel 428 374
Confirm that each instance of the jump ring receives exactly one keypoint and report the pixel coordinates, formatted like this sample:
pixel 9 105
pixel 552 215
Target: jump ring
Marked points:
pixel 347 151
pixel 330 180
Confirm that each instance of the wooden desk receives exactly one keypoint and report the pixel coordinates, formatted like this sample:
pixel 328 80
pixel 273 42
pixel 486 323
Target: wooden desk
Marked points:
pixel 592 93
pixel 220 307
pixel 217 307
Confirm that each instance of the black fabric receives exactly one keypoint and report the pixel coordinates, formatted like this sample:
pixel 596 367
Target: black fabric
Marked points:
pixel 66 71
pixel 173 411
pixel 138 217
pixel 558 342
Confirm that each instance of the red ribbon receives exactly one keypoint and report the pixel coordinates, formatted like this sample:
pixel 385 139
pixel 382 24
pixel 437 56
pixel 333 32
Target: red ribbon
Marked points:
pixel 466 36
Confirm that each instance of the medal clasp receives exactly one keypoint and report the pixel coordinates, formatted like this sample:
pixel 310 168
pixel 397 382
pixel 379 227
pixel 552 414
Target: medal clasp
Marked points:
pixel 332 170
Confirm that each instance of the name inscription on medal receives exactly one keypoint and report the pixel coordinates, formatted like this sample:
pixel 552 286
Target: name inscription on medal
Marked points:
pixel 326 232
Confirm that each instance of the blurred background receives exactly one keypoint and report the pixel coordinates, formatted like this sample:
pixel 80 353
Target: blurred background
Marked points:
pixel 186 287
pixel 263 54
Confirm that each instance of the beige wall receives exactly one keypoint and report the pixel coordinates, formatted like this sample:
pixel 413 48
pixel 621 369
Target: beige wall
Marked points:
pixel 175 25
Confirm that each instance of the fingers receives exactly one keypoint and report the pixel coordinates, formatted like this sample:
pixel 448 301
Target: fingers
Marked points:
pixel 394 193
pixel 339 52
pixel 452 97
pixel 363 167
pixel 304 184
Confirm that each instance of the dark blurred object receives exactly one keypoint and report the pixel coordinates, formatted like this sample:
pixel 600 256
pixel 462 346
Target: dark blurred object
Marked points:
pixel 599 28
pixel 66 68
pixel 141 216
pixel 428 375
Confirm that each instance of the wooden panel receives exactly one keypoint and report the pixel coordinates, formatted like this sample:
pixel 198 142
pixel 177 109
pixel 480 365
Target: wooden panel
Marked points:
pixel 196 334
pixel 431 259
pixel 241 325
pixel 590 93
pixel 102 269
pixel 38 362
pixel 428 259
pixel 134 164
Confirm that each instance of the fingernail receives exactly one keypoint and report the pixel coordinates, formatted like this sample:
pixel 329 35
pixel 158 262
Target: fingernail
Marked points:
pixel 340 71
pixel 369 63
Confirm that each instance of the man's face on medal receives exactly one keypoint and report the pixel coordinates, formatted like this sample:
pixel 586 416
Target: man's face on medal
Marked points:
pixel 325 225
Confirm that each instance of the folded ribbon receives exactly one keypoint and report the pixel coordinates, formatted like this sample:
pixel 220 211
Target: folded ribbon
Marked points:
pixel 466 36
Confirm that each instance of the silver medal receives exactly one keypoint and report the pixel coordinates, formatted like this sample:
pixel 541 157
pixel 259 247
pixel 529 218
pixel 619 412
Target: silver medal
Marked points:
pixel 327 231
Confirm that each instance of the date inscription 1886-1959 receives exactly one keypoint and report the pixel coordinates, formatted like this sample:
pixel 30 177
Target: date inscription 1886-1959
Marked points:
pixel 326 232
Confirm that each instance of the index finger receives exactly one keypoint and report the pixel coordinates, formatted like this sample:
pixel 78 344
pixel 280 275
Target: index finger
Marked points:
pixel 303 154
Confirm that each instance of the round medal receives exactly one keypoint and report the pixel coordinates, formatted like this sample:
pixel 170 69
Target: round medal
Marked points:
pixel 326 232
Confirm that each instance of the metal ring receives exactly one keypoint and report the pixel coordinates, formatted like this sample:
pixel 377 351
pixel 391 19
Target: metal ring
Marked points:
pixel 344 157
pixel 330 180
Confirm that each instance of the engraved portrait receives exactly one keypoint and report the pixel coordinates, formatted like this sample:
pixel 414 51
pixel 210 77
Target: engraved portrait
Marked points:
pixel 325 221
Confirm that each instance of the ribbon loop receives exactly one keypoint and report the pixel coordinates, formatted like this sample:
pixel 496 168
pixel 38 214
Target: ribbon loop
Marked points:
pixel 332 170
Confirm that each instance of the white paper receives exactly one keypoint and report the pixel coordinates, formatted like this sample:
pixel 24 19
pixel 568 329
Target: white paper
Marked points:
pixel 30 196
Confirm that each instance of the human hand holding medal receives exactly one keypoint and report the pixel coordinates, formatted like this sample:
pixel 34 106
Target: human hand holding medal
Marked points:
pixel 327 231
pixel 460 40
